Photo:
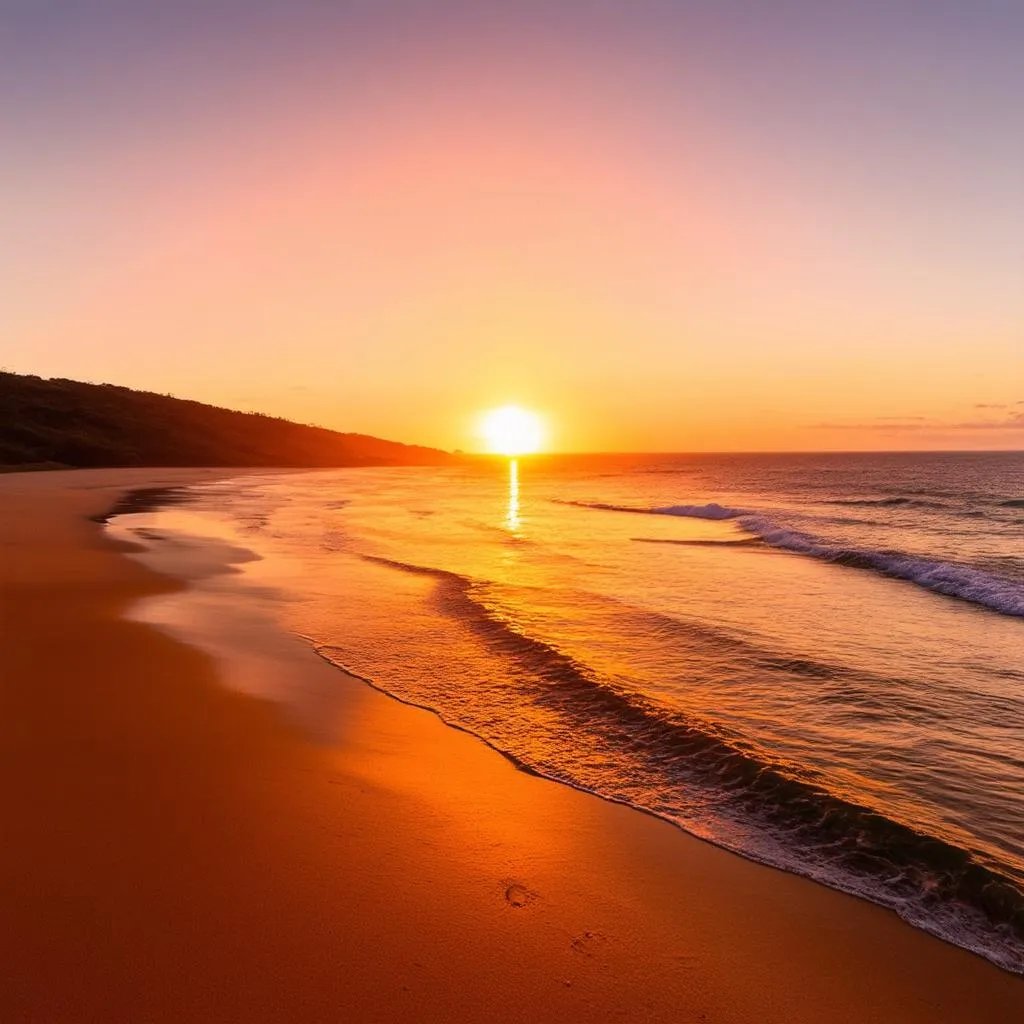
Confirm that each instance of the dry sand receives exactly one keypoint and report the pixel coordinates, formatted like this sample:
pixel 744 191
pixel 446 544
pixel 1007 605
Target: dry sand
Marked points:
pixel 175 851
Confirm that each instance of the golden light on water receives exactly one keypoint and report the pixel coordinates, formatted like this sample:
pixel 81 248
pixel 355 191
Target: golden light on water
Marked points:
pixel 512 430
pixel 512 520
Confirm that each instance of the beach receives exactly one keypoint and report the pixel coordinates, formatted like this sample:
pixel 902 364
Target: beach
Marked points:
pixel 176 850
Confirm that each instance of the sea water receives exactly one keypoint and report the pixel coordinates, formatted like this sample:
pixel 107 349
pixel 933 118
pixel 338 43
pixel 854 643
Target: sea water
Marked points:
pixel 816 661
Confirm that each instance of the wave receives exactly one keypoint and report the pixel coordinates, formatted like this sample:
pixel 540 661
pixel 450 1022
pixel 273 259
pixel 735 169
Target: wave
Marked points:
pixel 717 784
pixel 982 497
pixel 946 507
pixel 712 510
pixel 894 502
pixel 701 543
pixel 950 579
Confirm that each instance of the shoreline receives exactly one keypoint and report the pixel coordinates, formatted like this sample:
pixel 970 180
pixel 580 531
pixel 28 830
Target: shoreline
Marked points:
pixel 974 910
pixel 408 873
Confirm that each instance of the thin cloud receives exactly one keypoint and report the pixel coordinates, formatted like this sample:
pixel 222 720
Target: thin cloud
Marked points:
pixel 1012 422
pixel 875 425
pixel 893 424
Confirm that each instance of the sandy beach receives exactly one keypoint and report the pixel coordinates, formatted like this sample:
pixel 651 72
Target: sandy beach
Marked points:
pixel 176 851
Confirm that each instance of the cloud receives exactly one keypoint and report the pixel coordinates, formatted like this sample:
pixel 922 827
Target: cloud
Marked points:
pixel 1015 421
pixel 893 424
pixel 916 423
pixel 882 423
pixel 991 405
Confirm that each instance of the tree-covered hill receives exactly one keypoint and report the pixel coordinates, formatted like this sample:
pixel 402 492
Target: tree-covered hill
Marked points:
pixel 66 422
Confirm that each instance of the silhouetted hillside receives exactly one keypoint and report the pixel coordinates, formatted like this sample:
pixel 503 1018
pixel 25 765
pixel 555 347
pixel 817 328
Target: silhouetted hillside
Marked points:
pixel 75 424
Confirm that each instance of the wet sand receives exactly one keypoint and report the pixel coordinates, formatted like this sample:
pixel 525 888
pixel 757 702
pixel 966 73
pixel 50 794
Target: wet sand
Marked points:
pixel 173 850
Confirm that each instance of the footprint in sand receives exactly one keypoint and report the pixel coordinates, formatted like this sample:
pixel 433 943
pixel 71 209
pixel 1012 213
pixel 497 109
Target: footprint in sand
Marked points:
pixel 517 895
pixel 587 943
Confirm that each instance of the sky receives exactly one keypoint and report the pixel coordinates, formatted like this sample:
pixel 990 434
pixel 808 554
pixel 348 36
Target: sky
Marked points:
pixel 664 225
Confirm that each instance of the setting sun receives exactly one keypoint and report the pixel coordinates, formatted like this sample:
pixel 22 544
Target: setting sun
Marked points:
pixel 512 430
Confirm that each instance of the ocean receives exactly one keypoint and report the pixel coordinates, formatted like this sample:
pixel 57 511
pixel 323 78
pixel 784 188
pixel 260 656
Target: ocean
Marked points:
pixel 815 661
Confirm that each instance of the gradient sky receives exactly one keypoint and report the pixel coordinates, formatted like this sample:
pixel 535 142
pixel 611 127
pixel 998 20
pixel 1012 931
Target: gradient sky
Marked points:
pixel 770 224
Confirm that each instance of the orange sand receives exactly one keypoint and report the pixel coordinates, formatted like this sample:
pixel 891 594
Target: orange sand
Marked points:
pixel 174 851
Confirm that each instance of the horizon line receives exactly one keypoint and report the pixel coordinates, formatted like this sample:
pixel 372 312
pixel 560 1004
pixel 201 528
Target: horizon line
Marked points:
pixel 760 451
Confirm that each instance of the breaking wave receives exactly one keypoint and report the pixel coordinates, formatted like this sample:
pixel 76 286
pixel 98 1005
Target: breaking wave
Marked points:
pixel 951 579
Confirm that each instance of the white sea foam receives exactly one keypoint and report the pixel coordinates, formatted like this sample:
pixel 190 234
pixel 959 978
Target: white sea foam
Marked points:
pixel 710 511
pixel 952 579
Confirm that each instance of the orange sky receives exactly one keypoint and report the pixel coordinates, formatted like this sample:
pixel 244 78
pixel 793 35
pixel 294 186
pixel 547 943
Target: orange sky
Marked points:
pixel 657 244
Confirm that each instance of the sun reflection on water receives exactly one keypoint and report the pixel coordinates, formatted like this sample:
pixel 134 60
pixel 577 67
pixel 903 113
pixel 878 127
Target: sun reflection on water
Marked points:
pixel 512 520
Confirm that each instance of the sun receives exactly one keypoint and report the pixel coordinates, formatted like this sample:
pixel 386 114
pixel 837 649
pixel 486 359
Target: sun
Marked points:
pixel 512 430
